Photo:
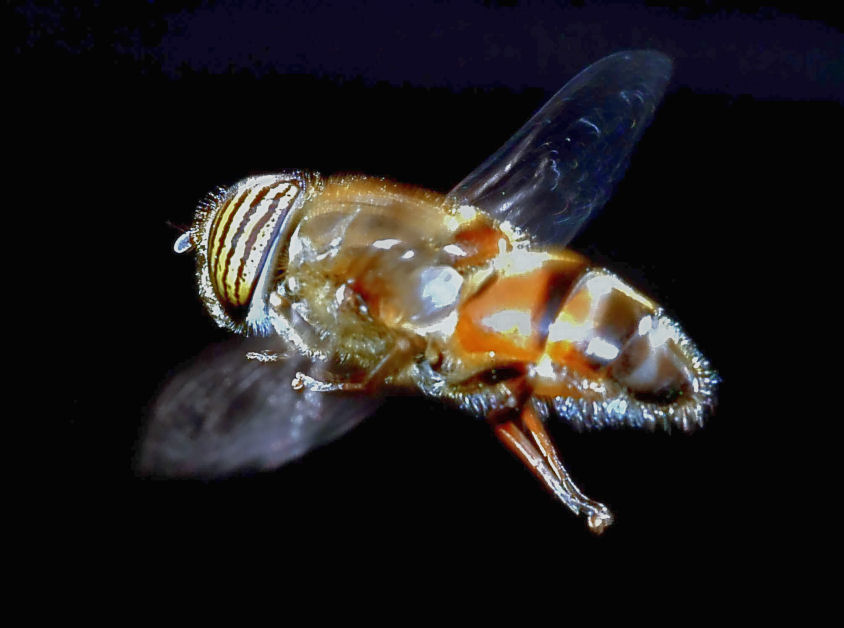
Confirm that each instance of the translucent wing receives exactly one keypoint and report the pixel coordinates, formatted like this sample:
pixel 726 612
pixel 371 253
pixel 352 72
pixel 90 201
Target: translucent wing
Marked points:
pixel 226 413
pixel 562 164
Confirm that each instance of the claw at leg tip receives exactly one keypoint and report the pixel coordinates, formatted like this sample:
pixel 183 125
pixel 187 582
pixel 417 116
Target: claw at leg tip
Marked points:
pixel 599 521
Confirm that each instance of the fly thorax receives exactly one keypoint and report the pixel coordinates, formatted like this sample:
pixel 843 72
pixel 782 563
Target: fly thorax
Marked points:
pixel 379 263
pixel 424 299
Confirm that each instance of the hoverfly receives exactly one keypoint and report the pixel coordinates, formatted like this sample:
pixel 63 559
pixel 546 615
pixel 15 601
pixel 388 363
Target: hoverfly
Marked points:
pixel 348 287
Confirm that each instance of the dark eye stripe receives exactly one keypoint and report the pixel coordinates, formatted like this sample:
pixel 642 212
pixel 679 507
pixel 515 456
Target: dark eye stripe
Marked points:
pixel 222 223
pixel 257 244
pixel 239 227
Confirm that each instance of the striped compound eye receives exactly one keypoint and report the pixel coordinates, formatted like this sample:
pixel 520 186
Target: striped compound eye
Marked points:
pixel 237 235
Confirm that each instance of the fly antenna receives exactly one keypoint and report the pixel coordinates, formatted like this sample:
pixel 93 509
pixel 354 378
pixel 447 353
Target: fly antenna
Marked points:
pixel 183 243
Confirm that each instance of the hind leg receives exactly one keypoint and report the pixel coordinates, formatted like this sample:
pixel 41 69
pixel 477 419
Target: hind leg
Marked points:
pixel 532 444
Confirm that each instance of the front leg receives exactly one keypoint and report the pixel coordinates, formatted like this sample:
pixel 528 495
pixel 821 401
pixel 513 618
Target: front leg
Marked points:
pixel 401 352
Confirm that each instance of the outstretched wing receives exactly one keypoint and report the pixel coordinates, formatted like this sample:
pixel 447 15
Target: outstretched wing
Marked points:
pixel 562 164
pixel 225 413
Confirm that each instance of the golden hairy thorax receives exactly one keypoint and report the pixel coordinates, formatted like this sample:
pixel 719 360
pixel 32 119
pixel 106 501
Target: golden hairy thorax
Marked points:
pixel 370 261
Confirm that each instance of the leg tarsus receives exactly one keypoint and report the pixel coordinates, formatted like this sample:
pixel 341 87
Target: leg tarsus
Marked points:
pixel 302 381
pixel 266 356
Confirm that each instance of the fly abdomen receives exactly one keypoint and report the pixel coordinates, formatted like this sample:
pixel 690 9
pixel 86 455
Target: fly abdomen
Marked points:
pixel 609 334
pixel 510 315
pixel 588 339
pixel 608 327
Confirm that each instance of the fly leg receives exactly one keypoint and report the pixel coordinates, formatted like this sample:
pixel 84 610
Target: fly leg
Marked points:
pixel 598 515
pixel 301 381
pixel 376 376
pixel 540 456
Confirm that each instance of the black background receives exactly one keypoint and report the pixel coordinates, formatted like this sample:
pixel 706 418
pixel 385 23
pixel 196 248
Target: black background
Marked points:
pixel 126 114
